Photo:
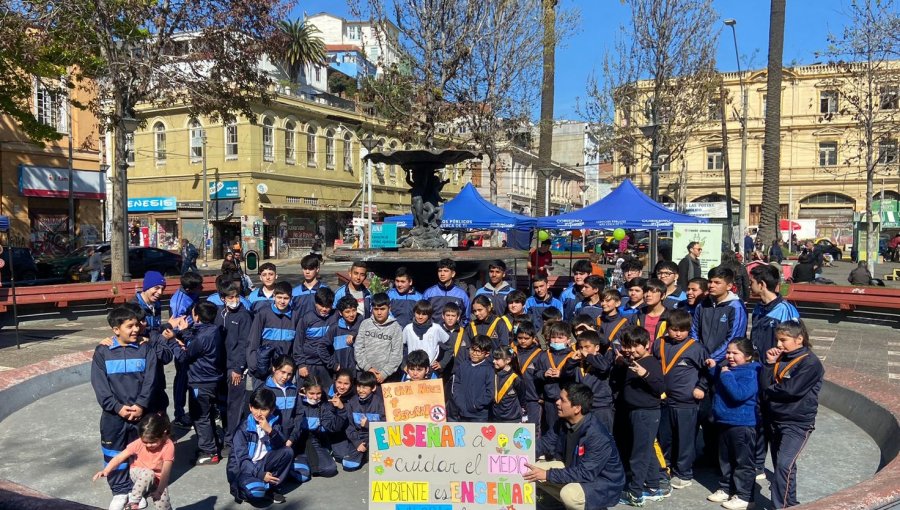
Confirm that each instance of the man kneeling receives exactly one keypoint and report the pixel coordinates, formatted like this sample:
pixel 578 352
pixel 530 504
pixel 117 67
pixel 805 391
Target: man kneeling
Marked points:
pixel 585 470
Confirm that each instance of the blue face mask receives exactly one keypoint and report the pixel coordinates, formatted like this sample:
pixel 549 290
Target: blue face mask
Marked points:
pixel 558 347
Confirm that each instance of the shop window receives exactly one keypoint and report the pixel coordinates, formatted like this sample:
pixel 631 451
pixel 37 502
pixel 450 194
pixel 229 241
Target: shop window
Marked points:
pixel 290 148
pixel 268 139
pixel 159 142
pixel 887 152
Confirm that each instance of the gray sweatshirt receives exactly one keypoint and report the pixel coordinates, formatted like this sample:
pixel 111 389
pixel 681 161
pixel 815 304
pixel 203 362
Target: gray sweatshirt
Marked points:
pixel 379 346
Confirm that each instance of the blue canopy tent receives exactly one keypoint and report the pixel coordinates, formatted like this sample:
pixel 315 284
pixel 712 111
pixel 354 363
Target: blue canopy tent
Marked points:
pixel 626 207
pixel 469 210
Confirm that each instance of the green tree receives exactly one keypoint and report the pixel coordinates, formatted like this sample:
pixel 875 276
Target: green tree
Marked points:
pixel 298 45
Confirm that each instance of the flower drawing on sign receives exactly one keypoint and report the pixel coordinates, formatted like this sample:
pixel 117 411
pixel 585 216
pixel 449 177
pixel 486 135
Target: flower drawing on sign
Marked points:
pixel 376 457
pixel 389 462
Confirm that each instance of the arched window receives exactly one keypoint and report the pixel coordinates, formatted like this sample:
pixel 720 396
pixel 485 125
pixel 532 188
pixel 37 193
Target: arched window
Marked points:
pixel 348 152
pixel 268 139
pixel 290 146
pixel 329 149
pixel 159 142
pixel 311 146
pixel 196 141
pixel 392 169
pixel 828 198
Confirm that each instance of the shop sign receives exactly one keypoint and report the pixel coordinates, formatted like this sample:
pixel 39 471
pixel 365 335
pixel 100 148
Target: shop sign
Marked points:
pixel 224 189
pixel 52 182
pixel 384 235
pixel 149 204
pixel 706 209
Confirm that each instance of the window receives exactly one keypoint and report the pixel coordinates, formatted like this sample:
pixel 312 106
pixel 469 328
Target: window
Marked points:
pixel 715 110
pixel 311 146
pixel 231 141
pixel 196 141
pixel 714 160
pixel 887 152
pixel 329 149
pixel 159 142
pixel 268 139
pixel 890 100
pixel 763 105
pixel 129 148
pixel 290 147
pixel 828 154
pixel 828 102
pixel 353 32
pixel 392 169
pixel 348 153
pixel 318 73
pixel 50 107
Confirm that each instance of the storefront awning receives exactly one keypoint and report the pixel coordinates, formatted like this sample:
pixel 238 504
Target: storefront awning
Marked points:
pixel 308 207
pixel 890 219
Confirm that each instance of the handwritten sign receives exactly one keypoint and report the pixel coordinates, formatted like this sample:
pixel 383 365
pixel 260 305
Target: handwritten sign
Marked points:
pixel 450 466
pixel 415 401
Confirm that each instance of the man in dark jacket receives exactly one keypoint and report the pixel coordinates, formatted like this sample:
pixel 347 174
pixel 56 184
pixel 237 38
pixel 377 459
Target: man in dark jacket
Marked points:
pixel 586 471
pixel 689 267
pixel 860 275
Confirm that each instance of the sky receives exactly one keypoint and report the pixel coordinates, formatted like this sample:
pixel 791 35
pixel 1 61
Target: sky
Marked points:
pixel 807 24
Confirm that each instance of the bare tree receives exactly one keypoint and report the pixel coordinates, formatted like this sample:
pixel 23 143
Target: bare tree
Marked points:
pixel 868 94
pixel 548 79
pixel 771 194
pixel 660 72
pixel 208 55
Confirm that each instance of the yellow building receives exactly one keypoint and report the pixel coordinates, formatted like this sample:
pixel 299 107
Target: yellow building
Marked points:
pixel 820 176
pixel 34 180
pixel 295 172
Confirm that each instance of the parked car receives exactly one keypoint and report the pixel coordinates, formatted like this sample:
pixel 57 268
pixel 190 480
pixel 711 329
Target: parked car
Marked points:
pixel 23 266
pixel 141 260
pixel 67 266
pixel 830 248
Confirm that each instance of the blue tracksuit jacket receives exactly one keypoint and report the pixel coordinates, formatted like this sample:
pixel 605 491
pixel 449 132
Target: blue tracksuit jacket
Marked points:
pixel 402 305
pixel 765 318
pixel 274 328
pixel 337 337
pixel 183 303
pixel 123 374
pixel 684 373
pixel 440 295
pixel 367 299
pixel 497 295
pixel 204 353
pixel 303 297
pixel 153 312
pixel 235 326
pixel 716 324
pixel 570 297
pixel 217 300
pixel 371 407
pixel 535 309
pixel 244 445
pixel 311 348
pixel 285 401
pixel 791 393
pixel 472 385
pixel 258 300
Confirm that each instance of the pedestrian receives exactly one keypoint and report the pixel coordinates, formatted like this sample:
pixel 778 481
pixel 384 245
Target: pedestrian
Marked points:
pixel 776 254
pixel 189 256
pixel 94 265
pixel 860 275
pixel 749 245
pixel 689 266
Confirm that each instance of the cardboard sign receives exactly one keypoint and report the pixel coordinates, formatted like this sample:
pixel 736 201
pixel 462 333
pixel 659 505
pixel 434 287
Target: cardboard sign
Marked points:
pixel 415 401
pixel 450 466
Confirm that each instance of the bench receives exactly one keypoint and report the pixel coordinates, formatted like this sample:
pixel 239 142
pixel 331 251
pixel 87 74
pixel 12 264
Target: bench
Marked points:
pixel 846 297
pixel 62 296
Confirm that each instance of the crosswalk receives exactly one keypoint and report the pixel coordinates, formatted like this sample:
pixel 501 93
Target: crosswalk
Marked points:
pixel 822 341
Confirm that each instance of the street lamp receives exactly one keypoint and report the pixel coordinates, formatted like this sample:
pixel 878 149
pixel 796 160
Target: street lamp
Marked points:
pixel 651 131
pixel 742 206
pixel 584 187
pixel 128 125
pixel 546 173
pixel 370 144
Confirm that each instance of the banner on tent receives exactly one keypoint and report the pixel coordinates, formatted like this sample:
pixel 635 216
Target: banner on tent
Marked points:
pixel 709 235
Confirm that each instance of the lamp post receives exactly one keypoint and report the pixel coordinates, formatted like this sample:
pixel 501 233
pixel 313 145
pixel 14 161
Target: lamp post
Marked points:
pixel 546 173
pixel 206 236
pixel 651 131
pixel 128 125
pixel 742 206
pixel 370 144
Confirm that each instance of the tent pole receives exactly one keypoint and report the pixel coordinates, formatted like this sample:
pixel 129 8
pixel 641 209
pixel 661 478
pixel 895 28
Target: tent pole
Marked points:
pixel 571 241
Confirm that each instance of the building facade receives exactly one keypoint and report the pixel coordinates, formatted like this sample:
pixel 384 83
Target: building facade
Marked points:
pixel 34 180
pixel 575 145
pixel 377 42
pixel 820 176
pixel 274 183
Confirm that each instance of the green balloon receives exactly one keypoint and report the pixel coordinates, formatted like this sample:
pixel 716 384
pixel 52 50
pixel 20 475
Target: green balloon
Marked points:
pixel 618 234
pixel 543 235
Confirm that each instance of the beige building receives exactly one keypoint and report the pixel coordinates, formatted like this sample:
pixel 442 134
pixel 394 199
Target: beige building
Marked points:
pixel 820 178
pixel 274 184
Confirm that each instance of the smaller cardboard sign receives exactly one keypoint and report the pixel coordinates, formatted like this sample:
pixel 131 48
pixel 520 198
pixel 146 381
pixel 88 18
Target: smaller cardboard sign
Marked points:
pixel 419 401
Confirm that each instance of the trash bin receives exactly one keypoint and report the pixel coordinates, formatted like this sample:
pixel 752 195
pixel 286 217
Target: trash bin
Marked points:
pixel 251 260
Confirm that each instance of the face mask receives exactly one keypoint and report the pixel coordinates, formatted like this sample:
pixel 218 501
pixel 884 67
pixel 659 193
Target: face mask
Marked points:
pixel 311 401
pixel 233 306
pixel 558 347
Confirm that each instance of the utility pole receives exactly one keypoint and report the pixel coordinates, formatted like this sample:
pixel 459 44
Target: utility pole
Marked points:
pixel 205 206
pixel 742 211
pixel 71 176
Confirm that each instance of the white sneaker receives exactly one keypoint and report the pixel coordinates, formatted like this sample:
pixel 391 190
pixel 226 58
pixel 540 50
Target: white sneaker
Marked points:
pixel 761 476
pixel 736 503
pixel 143 504
pixel 719 496
pixel 118 502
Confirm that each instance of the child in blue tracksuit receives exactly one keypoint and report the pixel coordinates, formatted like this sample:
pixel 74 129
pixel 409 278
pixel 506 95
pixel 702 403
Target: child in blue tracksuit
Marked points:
pixel 485 322
pixel 342 334
pixel 610 323
pixel 590 293
pixel 550 370
pixel 303 294
pixel 274 326
pixel 734 409
pixel 403 297
pixel 790 388
pixel 234 321
pixel 356 287
pixel 148 298
pixel 363 407
pixel 683 362
pixel 262 296
pixel 508 388
pixel 447 291
pixel 314 421
pixel 123 376
pixel 338 395
pixel 591 365
pixel 180 305
pixel 203 351
pixel 281 382
pixel 313 352
pixel 260 453
pixel 473 380
pixel 541 300
pixel 496 289
pixel 571 296
pixel 222 282
pixel 527 351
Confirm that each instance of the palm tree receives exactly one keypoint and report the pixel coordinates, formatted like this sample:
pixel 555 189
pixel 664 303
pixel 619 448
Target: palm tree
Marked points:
pixel 300 46
pixel 545 147
pixel 768 222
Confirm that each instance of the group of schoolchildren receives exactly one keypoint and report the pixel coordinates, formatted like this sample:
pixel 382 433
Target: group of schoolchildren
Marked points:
pixel 670 370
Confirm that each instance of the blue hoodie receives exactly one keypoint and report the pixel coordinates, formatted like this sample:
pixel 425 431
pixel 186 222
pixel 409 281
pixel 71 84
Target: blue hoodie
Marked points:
pixel 736 395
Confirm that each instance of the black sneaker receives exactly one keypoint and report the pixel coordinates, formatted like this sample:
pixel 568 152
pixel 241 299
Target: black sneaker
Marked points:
pixel 276 496
pixel 183 422
pixel 206 459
